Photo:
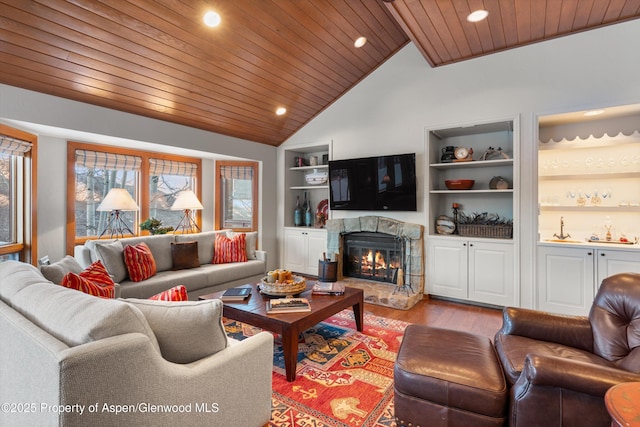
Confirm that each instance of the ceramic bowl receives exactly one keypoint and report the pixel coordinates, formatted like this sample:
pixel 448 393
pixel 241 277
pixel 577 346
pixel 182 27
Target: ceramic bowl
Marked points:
pixel 459 184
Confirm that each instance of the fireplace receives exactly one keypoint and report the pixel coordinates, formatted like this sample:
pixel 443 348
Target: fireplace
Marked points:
pixel 372 256
pixel 400 244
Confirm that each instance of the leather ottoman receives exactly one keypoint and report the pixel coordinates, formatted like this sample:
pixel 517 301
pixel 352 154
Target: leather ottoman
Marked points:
pixel 448 378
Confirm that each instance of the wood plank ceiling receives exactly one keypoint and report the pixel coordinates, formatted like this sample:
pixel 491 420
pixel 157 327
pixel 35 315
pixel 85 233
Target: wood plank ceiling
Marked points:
pixel 155 58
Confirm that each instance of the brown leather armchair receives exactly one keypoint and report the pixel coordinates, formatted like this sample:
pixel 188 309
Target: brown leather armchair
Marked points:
pixel 559 367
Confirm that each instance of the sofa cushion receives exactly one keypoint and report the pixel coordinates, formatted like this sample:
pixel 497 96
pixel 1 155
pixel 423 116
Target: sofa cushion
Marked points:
pixel 184 255
pixel 230 249
pixel 56 271
pixel 76 318
pixel 206 241
pixel 187 331
pixel 112 256
pixel 139 261
pixel 16 276
pixel 177 293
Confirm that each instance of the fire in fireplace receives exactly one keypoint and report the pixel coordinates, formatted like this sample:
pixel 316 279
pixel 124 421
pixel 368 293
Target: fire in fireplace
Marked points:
pixel 372 256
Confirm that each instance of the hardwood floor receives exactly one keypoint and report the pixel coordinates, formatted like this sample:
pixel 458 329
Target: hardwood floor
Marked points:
pixel 446 314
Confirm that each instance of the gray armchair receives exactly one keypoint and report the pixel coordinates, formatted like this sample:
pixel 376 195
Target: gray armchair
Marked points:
pixel 123 362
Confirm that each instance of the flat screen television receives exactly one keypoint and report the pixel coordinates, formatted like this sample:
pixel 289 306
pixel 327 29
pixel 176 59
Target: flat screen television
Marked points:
pixel 383 183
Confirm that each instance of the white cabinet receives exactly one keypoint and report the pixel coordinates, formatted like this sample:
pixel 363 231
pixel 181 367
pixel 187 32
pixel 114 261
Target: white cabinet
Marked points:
pixel 303 247
pixel 569 277
pixel 476 270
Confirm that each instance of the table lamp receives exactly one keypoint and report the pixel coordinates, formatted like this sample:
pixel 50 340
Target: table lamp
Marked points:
pixel 187 201
pixel 117 201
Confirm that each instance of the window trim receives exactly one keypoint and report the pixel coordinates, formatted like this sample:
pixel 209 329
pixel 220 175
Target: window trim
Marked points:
pixel 254 193
pixel 28 249
pixel 143 185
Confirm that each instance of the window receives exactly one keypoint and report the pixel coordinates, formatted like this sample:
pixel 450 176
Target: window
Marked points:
pixel 167 178
pixel 152 179
pixel 96 173
pixel 17 195
pixel 237 195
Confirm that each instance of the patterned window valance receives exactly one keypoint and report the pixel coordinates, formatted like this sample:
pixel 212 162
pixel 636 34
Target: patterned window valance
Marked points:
pixel 172 167
pixel 109 161
pixel 14 147
pixel 237 172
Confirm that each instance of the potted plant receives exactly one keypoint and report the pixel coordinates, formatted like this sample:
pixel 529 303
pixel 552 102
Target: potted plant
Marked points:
pixel 154 226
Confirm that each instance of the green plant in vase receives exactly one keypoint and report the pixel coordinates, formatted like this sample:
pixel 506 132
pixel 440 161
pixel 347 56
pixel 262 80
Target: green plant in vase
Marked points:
pixel 154 226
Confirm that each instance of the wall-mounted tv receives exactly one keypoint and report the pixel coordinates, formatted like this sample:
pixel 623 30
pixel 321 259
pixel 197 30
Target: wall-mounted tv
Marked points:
pixel 383 183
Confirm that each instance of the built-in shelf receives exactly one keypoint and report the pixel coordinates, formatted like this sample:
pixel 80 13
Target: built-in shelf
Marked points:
pixel 306 168
pixel 510 190
pixel 590 208
pixel 310 187
pixel 473 164
pixel 589 176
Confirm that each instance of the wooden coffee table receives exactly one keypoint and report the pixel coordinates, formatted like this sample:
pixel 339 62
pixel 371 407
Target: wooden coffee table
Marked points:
pixel 289 325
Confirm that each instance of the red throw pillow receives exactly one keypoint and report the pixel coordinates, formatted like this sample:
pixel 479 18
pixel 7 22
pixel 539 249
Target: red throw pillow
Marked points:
pixel 97 273
pixel 139 261
pixel 93 281
pixel 177 293
pixel 230 249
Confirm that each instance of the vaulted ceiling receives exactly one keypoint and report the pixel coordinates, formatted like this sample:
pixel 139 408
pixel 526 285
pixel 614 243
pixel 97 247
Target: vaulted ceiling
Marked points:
pixel 156 58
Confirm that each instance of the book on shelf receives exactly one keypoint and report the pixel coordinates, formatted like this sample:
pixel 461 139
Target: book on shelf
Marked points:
pixel 236 294
pixel 288 305
pixel 328 288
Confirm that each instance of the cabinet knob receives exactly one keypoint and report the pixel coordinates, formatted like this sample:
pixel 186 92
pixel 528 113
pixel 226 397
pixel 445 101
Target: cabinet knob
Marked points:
pixel 464 244
pixel 589 253
pixel 470 244
pixel 602 254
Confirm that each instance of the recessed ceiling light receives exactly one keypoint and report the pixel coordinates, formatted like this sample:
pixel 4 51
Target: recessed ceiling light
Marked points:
pixel 360 41
pixel 593 113
pixel 477 15
pixel 212 19
pixel 280 111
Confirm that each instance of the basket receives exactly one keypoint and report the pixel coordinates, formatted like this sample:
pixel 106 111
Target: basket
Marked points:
pixel 480 230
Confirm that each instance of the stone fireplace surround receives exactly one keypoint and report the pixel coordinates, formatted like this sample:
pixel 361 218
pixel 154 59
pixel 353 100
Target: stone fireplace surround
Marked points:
pixel 377 292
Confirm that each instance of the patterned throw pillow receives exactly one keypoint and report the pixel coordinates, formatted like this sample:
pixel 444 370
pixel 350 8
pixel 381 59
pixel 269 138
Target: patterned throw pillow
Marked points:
pixel 95 280
pixel 139 261
pixel 229 249
pixel 177 293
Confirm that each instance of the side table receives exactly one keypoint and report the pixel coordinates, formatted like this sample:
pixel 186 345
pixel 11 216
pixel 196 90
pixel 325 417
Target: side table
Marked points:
pixel 623 404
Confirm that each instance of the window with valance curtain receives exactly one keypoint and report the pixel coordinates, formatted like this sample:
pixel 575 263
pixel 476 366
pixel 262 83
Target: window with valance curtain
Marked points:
pixel 16 190
pixel 236 195
pixel 97 172
pixel 167 178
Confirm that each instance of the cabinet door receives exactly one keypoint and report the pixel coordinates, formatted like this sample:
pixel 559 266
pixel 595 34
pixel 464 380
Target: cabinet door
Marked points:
pixel 317 244
pixel 612 262
pixel 295 250
pixel 491 273
pixel 448 268
pixel 565 280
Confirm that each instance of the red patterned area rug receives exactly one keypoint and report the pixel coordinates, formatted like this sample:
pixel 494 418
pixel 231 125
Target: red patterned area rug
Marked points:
pixel 344 377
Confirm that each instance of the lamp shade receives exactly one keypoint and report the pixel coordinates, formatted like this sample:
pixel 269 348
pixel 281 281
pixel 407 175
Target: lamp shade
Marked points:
pixel 186 200
pixel 118 199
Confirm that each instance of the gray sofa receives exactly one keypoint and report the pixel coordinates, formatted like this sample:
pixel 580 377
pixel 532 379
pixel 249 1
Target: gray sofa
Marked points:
pixel 71 359
pixel 199 281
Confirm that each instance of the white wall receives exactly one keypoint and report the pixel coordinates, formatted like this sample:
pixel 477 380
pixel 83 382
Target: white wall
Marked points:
pixel 388 111
pixel 29 110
